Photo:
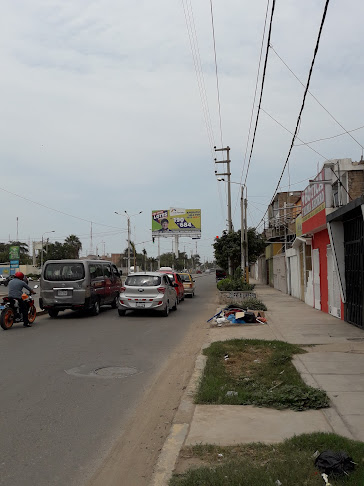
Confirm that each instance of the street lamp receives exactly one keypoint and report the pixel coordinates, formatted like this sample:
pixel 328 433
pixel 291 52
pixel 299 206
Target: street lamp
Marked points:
pixel 128 216
pixel 244 262
pixel 41 254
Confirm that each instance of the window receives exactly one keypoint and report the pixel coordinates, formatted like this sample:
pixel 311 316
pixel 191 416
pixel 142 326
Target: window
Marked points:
pixel 107 271
pixel 114 271
pixel 64 272
pixel 185 277
pixel 143 281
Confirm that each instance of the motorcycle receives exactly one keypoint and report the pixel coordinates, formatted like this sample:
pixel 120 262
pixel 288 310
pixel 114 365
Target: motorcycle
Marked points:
pixel 10 312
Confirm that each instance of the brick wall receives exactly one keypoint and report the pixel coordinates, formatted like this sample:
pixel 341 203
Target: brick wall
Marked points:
pixel 356 183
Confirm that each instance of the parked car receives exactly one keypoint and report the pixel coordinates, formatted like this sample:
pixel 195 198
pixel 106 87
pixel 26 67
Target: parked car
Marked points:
pixel 2 280
pixel 198 271
pixel 188 284
pixel 147 291
pixel 176 279
pixel 78 285
pixel 220 274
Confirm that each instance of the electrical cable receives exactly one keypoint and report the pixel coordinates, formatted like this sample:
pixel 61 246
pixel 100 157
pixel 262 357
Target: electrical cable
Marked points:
pixel 58 211
pixel 261 90
pixel 303 101
pixel 329 138
pixel 314 97
pixel 253 104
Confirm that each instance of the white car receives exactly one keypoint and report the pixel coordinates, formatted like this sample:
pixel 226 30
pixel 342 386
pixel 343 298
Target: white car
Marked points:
pixel 2 280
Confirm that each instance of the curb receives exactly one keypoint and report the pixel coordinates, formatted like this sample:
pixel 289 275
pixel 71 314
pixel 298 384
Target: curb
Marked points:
pixel 180 427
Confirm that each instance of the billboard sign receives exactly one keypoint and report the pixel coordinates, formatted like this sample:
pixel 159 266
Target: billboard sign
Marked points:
pixel 14 253
pixel 176 222
pixel 313 198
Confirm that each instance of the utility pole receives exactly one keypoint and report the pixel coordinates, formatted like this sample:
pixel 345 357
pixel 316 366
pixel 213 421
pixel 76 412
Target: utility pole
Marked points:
pixel 159 252
pixel 17 228
pixel 228 174
pixel 129 245
pixel 246 237
pixel 242 236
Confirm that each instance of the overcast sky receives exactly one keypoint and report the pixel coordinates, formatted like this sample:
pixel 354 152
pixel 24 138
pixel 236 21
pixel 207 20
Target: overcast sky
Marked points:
pixel 101 111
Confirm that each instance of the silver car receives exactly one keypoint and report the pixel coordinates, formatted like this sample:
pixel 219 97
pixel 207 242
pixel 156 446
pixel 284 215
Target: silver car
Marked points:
pixel 147 290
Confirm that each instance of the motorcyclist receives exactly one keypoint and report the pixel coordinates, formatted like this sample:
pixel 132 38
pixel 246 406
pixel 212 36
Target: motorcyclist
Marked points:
pixel 15 291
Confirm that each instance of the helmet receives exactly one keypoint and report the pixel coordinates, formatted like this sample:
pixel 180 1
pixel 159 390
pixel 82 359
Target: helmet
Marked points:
pixel 19 275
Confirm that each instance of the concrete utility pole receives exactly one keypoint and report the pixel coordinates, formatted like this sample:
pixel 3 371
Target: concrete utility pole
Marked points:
pixel 41 252
pixel 246 237
pixel 159 253
pixel 129 245
pixel 228 174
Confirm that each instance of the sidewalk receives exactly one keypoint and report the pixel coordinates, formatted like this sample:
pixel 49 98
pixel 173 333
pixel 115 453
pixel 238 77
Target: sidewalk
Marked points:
pixel 334 362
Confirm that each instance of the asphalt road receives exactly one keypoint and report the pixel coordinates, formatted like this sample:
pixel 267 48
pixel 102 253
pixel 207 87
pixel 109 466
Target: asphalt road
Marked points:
pixel 59 417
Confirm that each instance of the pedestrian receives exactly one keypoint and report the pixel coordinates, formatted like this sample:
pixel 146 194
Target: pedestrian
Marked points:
pixel 15 291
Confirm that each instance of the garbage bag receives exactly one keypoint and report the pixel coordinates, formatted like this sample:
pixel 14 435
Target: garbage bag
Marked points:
pixel 331 462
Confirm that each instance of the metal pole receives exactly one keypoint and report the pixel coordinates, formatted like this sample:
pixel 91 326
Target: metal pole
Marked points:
pixel 230 223
pixel 17 228
pixel 159 252
pixel 41 255
pixel 129 245
pixel 246 237
pixel 242 235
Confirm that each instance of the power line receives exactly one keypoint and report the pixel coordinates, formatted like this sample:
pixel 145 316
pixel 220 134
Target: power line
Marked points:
pixel 314 97
pixel 216 71
pixel 329 138
pixel 303 102
pixel 58 211
pixel 261 90
pixel 253 104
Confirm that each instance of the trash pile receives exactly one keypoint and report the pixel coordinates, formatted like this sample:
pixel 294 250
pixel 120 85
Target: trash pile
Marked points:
pixel 233 314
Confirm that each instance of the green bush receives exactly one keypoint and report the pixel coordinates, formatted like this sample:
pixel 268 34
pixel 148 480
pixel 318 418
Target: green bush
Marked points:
pixel 253 304
pixel 232 283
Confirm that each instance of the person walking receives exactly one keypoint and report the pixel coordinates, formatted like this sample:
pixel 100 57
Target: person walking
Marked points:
pixel 15 291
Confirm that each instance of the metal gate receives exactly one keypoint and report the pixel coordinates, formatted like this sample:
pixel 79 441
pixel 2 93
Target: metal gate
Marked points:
pixel 354 269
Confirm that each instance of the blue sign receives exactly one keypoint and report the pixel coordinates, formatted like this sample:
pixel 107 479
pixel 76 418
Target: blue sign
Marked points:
pixel 14 263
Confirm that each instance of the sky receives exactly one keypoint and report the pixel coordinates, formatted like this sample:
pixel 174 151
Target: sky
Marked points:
pixel 101 111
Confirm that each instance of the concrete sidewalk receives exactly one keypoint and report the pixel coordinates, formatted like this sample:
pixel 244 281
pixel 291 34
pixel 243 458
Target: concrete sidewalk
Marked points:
pixel 334 362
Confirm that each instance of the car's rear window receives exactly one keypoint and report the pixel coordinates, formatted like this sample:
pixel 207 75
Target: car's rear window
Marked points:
pixel 185 277
pixel 143 281
pixel 64 272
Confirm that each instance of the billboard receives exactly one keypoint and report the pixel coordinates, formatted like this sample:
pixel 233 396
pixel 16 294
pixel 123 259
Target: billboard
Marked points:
pixel 176 222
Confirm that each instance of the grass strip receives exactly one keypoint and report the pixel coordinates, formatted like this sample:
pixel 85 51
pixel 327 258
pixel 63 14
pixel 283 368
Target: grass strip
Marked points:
pixel 290 463
pixel 256 372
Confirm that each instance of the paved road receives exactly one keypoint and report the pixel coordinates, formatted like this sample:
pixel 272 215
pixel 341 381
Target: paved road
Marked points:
pixel 58 419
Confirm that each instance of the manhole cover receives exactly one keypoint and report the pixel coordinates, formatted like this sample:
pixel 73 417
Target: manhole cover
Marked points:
pixel 115 371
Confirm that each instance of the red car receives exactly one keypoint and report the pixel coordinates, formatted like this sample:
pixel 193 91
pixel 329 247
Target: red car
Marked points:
pixel 175 278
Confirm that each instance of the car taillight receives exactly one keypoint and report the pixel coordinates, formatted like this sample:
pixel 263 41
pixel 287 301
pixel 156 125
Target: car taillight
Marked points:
pixel 122 289
pixel 161 290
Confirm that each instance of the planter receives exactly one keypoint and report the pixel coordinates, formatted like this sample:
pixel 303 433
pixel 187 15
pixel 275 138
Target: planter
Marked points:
pixel 226 297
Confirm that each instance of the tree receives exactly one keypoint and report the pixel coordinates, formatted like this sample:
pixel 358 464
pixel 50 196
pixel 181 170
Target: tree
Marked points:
pixel 229 244
pixel 75 246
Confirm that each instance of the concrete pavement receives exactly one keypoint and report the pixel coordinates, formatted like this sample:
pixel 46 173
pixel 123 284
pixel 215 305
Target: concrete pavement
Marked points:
pixel 334 362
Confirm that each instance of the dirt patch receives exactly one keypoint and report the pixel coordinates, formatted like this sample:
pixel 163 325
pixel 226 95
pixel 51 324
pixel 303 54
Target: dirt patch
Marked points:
pixel 245 363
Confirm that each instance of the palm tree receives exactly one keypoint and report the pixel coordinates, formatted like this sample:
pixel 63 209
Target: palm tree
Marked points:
pixel 75 245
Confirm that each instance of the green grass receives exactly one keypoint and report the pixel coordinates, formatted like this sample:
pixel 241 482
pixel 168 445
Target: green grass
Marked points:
pixel 260 373
pixel 290 462
pixel 236 284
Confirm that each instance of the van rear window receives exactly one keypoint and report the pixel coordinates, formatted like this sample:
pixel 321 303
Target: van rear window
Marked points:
pixel 56 272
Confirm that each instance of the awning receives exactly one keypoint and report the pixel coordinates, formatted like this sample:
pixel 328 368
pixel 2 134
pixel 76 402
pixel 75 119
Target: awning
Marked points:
pixel 299 240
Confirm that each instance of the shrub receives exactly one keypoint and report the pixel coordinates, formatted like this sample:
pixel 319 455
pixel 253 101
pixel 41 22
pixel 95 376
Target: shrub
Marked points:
pixel 234 284
pixel 251 303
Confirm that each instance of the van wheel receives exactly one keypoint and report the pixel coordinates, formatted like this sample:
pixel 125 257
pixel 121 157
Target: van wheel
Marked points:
pixel 121 312
pixel 114 303
pixel 53 313
pixel 95 309
pixel 165 312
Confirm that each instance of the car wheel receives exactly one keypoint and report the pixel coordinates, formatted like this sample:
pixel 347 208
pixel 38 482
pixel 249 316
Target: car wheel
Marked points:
pixel 183 298
pixel 175 305
pixel 114 303
pixel 165 312
pixel 53 313
pixel 95 309
pixel 121 312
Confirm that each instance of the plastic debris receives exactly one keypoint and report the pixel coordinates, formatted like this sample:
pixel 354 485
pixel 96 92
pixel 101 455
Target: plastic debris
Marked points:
pixel 220 455
pixel 231 393
pixel 257 361
pixel 326 479
pixel 331 462
pixel 278 483
pixel 226 357
pixel 315 454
